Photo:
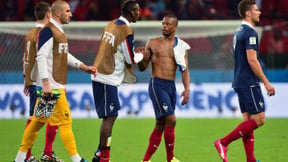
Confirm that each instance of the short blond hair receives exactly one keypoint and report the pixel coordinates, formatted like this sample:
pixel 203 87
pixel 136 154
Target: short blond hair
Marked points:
pixel 57 6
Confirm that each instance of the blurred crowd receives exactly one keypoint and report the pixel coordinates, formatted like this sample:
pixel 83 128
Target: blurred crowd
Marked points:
pixel 273 19
pixel 87 10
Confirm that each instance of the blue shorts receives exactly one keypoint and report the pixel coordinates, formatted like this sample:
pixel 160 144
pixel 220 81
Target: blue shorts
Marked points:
pixel 32 99
pixel 251 100
pixel 163 95
pixel 106 99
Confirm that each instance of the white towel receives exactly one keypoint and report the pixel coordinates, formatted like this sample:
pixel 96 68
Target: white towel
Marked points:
pixel 180 48
pixel 138 57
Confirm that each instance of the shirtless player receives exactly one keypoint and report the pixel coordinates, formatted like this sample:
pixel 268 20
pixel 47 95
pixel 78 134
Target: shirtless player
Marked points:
pixel 166 53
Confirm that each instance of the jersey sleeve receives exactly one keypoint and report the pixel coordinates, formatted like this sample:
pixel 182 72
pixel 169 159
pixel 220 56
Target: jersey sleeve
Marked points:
pixel 45 45
pixel 251 40
pixel 73 61
pixel 128 50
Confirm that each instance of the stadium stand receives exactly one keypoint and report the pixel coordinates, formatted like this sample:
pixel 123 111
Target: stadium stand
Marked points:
pixel 273 25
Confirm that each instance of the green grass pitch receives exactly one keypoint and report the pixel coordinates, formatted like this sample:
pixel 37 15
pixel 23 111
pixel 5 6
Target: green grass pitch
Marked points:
pixel 193 143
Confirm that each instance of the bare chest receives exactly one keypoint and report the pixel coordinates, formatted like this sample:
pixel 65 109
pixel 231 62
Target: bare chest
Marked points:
pixel 163 49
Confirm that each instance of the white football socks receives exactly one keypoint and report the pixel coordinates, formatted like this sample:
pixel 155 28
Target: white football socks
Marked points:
pixel 20 156
pixel 76 158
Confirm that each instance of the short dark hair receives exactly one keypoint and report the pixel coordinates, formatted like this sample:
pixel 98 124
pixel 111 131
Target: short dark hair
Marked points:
pixel 244 6
pixel 41 9
pixel 170 15
pixel 127 6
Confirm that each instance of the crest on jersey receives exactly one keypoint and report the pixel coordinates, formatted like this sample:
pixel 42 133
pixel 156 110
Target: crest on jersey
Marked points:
pixel 252 40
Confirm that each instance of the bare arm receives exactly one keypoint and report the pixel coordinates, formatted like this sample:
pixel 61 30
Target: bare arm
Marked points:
pixel 186 82
pixel 256 68
pixel 43 51
pixel 26 87
pixel 74 62
pixel 147 56
pixel 88 69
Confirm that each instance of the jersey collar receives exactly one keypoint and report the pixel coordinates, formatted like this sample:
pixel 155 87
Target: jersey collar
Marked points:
pixel 58 25
pixel 247 23
pixel 38 25
pixel 125 20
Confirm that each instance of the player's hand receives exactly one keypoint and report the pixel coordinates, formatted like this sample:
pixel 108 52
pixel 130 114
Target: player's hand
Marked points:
pixel 270 89
pixel 89 69
pixel 139 54
pixel 47 90
pixel 140 50
pixel 26 91
pixel 185 94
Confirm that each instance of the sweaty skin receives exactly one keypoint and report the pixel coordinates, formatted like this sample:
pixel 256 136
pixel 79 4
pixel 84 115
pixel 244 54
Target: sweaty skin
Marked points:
pixel 162 58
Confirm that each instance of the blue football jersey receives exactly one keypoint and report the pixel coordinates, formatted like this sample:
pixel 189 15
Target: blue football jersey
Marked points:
pixel 245 38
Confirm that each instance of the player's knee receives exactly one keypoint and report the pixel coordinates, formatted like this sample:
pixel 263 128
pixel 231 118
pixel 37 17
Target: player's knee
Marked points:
pixel 171 123
pixel 160 127
pixel 109 119
pixel 259 119
pixel 261 122
pixel 112 118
